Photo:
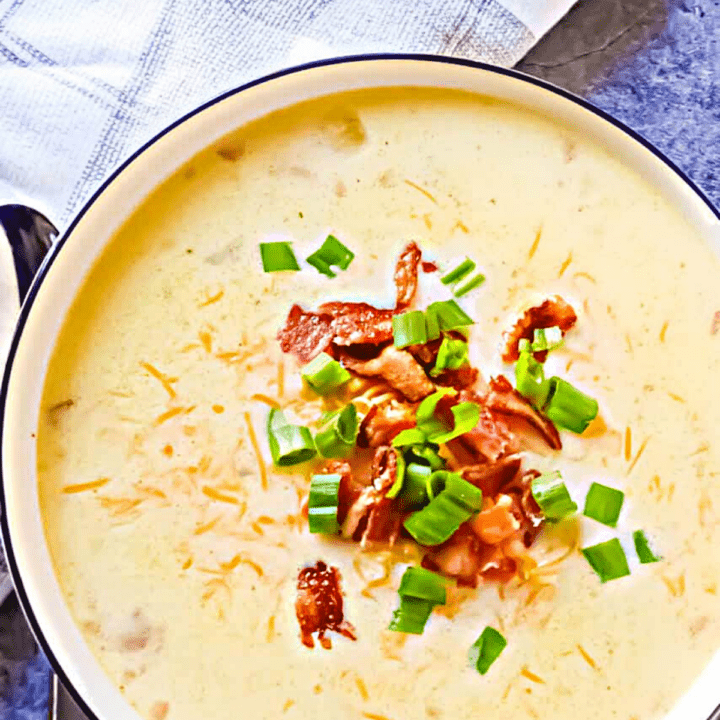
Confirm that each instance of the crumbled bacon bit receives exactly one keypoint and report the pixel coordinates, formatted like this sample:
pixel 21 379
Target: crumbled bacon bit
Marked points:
pixel 398 368
pixel 406 275
pixel 358 322
pixel 489 440
pixel 552 312
pixel 460 378
pixel 383 422
pixel 497 521
pixel 492 477
pixel 374 518
pixel 306 334
pixel 526 509
pixel 502 398
pixel 319 605
pixel 428 266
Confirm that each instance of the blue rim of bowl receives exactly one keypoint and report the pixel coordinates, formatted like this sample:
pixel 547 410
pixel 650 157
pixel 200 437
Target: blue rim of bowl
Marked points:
pixel 52 254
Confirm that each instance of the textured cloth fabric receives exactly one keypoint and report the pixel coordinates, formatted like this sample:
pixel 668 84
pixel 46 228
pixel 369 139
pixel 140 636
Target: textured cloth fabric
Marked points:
pixel 83 84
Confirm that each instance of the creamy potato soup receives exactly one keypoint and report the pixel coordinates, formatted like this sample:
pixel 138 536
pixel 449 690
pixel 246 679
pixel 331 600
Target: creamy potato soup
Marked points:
pixel 177 541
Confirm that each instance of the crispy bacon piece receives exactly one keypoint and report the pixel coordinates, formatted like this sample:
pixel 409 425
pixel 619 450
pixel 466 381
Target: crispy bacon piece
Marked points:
pixel 383 422
pixel 406 275
pixel 429 267
pixel 306 334
pixel 526 509
pixel 490 478
pixel 398 368
pixel 488 441
pixel 357 322
pixel 553 311
pixel 319 605
pixel 373 517
pixel 503 399
pixel 461 378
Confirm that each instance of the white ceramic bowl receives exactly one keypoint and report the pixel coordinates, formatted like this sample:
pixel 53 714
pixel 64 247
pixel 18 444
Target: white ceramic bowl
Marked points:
pixel 67 265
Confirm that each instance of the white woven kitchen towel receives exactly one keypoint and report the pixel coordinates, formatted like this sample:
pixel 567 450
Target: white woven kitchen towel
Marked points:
pixel 83 83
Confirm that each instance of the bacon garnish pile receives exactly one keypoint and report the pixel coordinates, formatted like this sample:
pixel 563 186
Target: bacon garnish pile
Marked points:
pixel 319 605
pixel 493 544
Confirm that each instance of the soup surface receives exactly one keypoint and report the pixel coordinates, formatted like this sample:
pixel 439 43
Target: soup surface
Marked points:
pixel 179 558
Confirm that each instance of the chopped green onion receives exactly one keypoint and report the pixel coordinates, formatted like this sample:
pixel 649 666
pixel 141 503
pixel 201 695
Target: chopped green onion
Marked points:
pixel 411 436
pixel 466 416
pixel 459 273
pixel 323 504
pixel 423 584
pixel 524 345
pixel 608 560
pixel 277 256
pixel 428 455
pixel 530 379
pixel 552 496
pixel 603 504
pixel 437 481
pixel 432 324
pixel 545 339
pixel 337 437
pixel 449 315
pixel 411 616
pixel 325 375
pixel 289 444
pixel 471 284
pixel 409 329
pixel 331 252
pixel 486 649
pixel 569 408
pixel 425 418
pixel 439 520
pixel 400 466
pixel 414 492
pixel 643 549
pixel 452 354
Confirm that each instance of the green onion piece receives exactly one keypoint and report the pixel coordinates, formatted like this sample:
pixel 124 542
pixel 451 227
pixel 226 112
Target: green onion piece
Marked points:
pixel 530 379
pixel 427 455
pixel 414 491
pixel 277 256
pixel 524 346
pixel 569 408
pixel 289 444
pixel 411 616
pixel 608 560
pixel 643 549
pixel 437 481
pixel 471 284
pixel 325 375
pixel 331 252
pixel 411 436
pixel 417 582
pixel 466 416
pixel 449 315
pixel 547 338
pixel 460 272
pixel 409 329
pixel 486 649
pixel 323 504
pixel 337 437
pixel 452 354
pixel 603 504
pixel 400 466
pixel 552 496
pixel 425 413
pixel 439 520
pixel 432 324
